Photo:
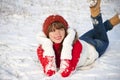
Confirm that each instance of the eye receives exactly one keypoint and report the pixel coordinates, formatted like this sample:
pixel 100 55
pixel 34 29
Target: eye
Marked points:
pixel 62 29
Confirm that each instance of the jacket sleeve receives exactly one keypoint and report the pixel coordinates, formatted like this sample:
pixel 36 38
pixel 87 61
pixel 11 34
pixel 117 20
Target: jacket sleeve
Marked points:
pixel 76 52
pixel 40 53
pixel 46 43
pixel 41 58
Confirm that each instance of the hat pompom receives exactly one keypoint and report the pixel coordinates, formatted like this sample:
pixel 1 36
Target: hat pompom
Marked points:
pixel 52 18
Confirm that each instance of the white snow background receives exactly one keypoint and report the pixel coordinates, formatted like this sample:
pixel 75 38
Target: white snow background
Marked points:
pixel 21 21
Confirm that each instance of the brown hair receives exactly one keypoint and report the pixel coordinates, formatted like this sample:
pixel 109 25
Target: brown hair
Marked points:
pixel 56 25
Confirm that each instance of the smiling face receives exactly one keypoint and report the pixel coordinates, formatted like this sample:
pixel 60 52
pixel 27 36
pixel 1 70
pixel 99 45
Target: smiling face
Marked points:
pixel 57 35
pixel 57 32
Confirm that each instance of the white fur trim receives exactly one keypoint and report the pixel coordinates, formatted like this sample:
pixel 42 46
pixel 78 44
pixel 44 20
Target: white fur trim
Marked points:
pixel 46 43
pixel 39 36
pixel 66 52
pixel 70 37
pixel 48 50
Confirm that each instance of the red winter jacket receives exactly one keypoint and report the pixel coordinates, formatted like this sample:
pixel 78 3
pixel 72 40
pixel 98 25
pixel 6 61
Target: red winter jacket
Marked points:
pixel 76 51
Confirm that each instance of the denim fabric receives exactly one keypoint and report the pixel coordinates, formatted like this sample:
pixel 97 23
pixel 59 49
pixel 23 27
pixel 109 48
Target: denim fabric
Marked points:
pixel 98 35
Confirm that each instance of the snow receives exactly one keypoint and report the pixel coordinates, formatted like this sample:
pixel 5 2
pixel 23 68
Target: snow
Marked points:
pixel 21 20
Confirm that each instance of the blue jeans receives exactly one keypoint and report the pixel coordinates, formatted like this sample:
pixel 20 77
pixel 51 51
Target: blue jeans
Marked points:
pixel 98 35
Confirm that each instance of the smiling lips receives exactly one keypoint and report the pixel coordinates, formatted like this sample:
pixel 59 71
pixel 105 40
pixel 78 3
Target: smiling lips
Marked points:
pixel 58 37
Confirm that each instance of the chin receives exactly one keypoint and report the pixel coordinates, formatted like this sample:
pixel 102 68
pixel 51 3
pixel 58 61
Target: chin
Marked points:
pixel 57 41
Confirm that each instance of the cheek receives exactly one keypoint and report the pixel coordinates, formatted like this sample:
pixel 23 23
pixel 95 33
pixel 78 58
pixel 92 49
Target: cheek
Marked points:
pixel 63 33
pixel 51 35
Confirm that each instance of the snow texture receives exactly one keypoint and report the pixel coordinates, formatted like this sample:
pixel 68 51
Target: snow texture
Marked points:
pixel 21 20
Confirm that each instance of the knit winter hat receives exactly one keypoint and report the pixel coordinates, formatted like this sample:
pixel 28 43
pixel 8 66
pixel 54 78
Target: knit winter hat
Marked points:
pixel 53 18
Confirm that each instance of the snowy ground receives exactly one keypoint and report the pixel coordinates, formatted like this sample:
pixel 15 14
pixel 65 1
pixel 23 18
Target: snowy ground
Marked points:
pixel 21 20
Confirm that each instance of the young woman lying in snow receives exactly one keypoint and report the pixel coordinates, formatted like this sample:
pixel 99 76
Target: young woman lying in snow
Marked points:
pixel 61 50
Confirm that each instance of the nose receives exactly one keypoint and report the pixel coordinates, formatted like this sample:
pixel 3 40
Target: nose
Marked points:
pixel 57 32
